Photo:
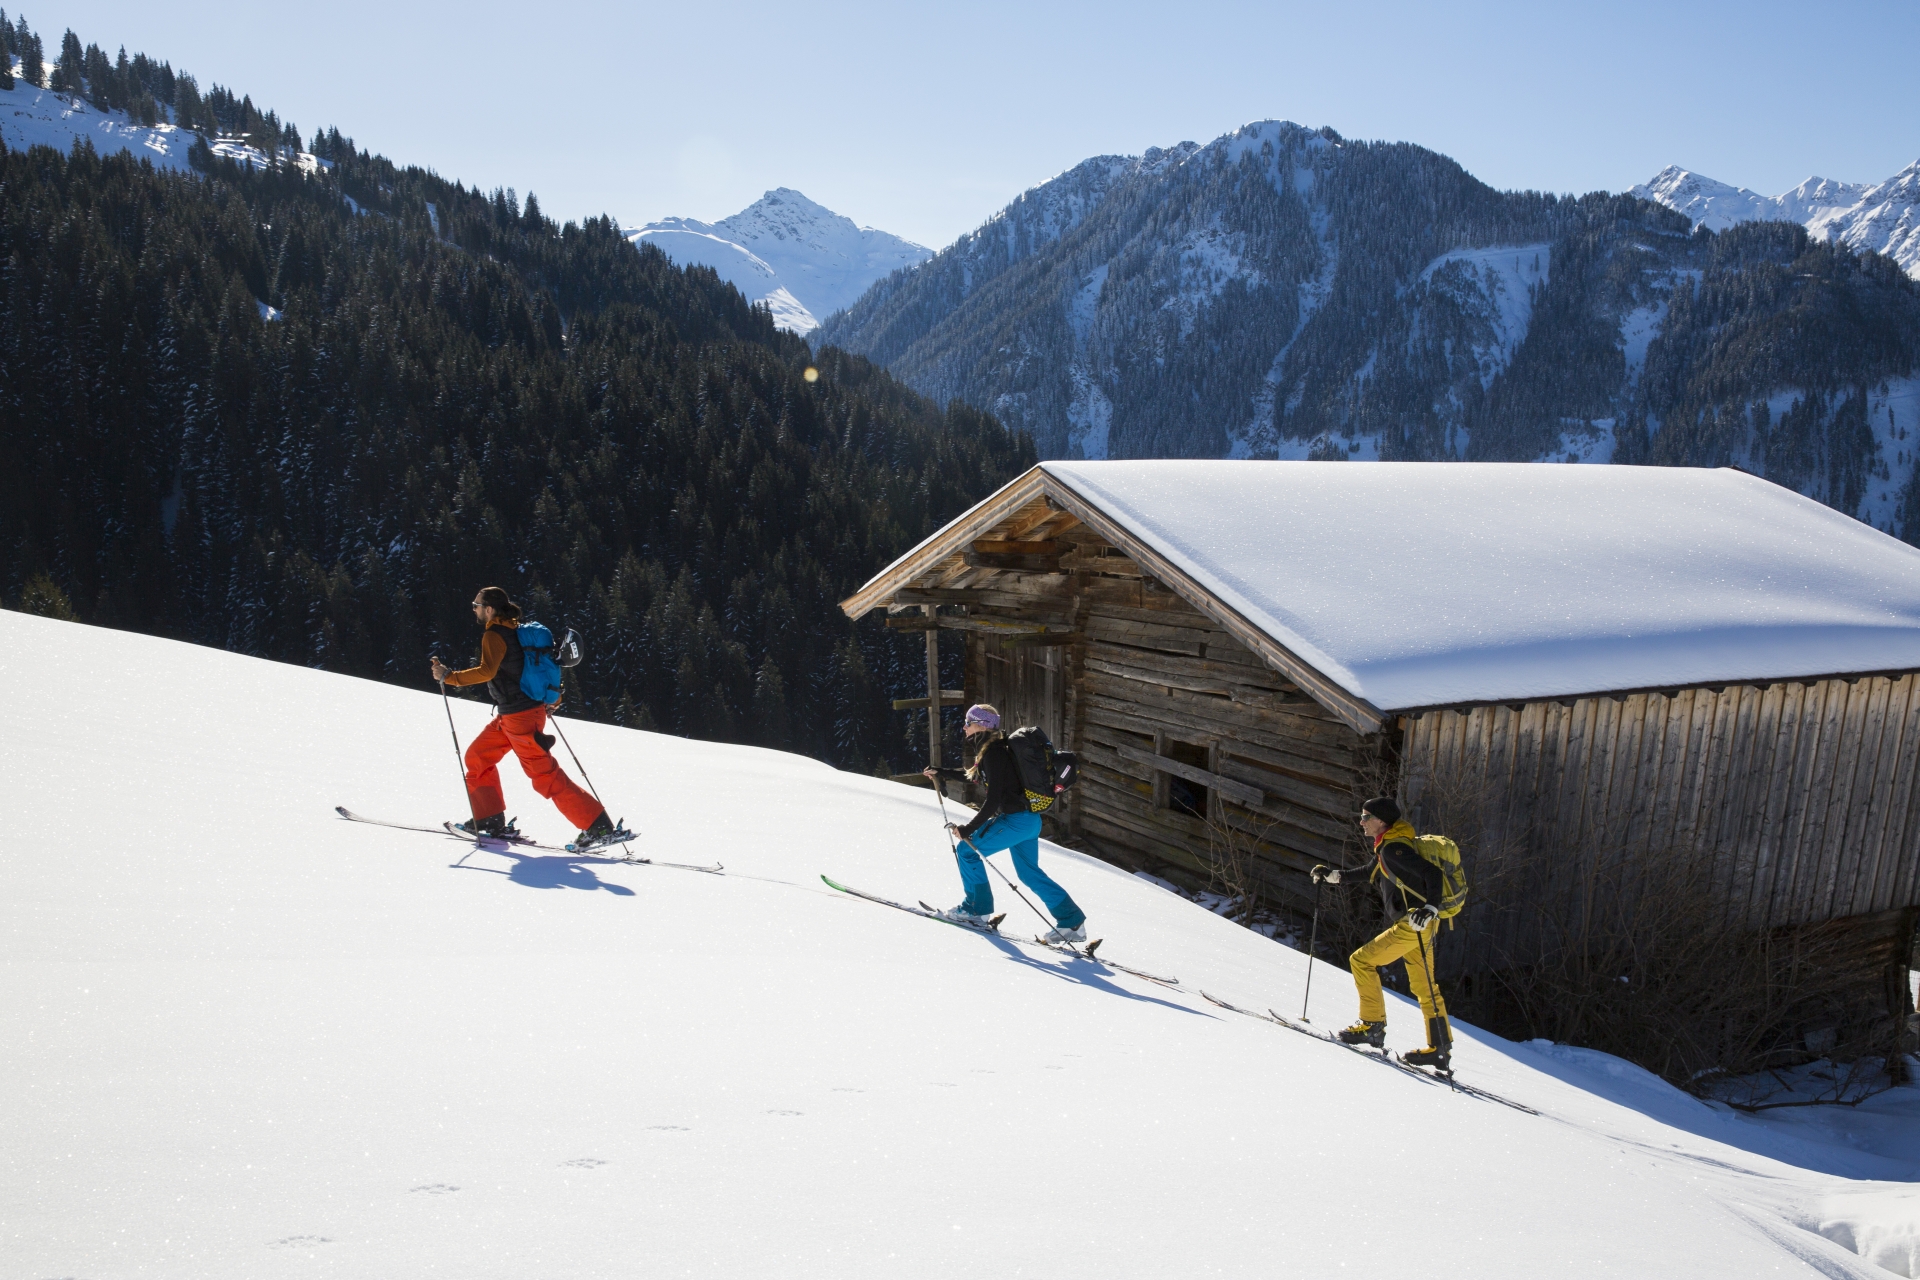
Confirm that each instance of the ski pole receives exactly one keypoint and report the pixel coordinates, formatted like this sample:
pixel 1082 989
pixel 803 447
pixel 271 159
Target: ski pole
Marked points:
pixel 997 871
pixel 1433 994
pixel 1023 897
pixel 555 722
pixel 1312 942
pixel 459 763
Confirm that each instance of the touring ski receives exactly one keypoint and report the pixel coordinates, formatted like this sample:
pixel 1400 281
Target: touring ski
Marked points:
pixel 442 829
pixel 613 852
pixel 1086 952
pixel 991 926
pixel 1381 1056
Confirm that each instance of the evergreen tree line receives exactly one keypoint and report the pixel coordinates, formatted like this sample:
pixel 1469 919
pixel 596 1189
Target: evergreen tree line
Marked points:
pixel 239 413
pixel 149 91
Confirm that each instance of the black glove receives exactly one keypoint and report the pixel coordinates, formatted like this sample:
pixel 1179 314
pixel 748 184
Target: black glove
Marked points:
pixel 1328 875
pixel 1421 917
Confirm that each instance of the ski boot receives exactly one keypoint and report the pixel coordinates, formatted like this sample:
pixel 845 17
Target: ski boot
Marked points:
pixel 1364 1032
pixel 1439 1051
pixel 602 833
pixel 1062 935
pixel 960 915
pixel 497 827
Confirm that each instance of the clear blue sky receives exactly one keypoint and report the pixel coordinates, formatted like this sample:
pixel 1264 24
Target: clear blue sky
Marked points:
pixel 925 119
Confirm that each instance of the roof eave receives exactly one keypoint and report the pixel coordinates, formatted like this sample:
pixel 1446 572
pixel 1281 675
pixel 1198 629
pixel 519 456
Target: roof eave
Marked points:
pixel 1352 710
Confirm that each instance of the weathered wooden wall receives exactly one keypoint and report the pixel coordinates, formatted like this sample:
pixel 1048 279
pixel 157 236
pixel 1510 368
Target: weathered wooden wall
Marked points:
pixel 1145 669
pixel 1800 800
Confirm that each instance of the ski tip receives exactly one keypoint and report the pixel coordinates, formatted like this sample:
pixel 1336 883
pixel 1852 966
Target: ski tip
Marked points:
pixel 343 811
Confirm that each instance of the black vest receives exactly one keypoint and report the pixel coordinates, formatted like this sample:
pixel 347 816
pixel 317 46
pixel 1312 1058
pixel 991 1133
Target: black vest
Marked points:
pixel 504 688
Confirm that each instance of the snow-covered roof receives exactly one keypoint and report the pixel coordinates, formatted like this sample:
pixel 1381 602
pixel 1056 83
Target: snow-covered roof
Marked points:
pixel 1430 584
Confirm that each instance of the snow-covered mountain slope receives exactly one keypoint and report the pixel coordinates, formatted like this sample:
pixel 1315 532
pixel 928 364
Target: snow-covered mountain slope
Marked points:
pixel 247 1039
pixel 1883 217
pixel 31 117
pixel 803 260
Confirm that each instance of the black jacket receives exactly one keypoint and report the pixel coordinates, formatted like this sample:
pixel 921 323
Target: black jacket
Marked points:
pixel 1422 879
pixel 1005 792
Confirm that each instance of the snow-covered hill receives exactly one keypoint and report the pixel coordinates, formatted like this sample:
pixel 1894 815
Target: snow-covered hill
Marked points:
pixel 247 1039
pixel 1883 217
pixel 31 117
pixel 803 260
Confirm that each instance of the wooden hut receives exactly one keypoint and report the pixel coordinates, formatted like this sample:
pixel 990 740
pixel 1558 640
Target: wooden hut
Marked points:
pixel 1633 664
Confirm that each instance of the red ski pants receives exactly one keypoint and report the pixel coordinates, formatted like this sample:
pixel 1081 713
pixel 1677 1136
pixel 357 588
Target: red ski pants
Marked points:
pixel 515 733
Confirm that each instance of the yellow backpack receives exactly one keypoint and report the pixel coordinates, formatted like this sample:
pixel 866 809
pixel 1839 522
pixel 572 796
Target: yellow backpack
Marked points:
pixel 1445 854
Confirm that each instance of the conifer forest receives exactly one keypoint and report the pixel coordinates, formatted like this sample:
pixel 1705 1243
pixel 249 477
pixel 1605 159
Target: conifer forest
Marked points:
pixel 243 412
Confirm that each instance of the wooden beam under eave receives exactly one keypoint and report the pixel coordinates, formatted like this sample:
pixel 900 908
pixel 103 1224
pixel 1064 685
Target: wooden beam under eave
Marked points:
pixel 1016 496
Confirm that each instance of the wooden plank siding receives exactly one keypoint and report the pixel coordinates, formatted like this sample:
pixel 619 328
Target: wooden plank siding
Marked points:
pixel 1794 803
pixel 1801 802
pixel 1145 669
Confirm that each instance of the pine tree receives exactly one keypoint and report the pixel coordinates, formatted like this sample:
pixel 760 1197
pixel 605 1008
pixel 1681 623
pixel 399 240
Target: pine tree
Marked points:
pixel 68 72
pixel 6 52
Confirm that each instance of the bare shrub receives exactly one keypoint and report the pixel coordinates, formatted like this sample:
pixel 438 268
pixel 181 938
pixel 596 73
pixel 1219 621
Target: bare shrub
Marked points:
pixel 1233 860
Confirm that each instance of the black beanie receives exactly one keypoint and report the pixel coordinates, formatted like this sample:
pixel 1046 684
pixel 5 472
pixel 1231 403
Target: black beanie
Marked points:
pixel 1383 808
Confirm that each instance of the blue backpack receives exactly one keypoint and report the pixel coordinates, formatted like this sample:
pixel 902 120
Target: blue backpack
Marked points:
pixel 541 658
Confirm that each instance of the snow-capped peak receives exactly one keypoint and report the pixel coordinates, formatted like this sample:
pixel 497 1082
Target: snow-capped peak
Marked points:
pixel 1881 217
pixel 800 257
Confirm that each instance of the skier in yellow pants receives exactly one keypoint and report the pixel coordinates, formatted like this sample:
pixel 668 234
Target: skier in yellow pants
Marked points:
pixel 1411 889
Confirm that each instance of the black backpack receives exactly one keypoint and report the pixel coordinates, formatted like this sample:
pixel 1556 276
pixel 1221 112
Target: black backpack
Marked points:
pixel 1044 772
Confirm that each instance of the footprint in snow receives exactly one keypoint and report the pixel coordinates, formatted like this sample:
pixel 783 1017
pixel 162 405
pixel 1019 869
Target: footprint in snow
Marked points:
pixel 844 1089
pixel 669 1128
pixel 786 1113
pixel 299 1242
pixel 584 1162
pixel 437 1189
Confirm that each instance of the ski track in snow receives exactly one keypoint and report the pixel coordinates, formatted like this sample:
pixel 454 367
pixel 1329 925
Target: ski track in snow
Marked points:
pixel 247 1039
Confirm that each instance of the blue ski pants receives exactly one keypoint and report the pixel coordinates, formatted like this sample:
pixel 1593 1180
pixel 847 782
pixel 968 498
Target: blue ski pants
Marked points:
pixel 1019 832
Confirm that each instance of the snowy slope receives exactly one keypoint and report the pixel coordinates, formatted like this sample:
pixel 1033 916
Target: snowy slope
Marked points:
pixel 802 259
pixel 1881 217
pixel 245 1039
pixel 31 117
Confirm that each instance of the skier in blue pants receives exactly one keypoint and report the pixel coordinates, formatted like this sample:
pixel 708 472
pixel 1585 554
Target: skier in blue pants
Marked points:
pixel 1002 822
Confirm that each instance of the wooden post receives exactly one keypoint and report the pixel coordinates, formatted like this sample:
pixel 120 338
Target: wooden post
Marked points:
pixel 933 691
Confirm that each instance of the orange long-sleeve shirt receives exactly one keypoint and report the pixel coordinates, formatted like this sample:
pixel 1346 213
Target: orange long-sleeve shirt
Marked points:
pixel 493 651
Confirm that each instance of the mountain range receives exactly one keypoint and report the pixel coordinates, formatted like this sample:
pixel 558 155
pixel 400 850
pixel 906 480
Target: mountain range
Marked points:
pixel 1286 292
pixel 1881 217
pixel 799 258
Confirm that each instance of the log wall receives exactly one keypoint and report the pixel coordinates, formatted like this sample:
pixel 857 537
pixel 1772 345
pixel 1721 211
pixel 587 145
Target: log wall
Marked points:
pixel 1802 801
pixel 1144 671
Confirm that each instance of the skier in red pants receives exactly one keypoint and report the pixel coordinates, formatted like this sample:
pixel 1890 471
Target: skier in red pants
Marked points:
pixel 518 727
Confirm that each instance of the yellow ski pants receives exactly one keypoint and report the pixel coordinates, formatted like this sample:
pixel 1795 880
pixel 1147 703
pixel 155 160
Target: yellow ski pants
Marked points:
pixel 1398 943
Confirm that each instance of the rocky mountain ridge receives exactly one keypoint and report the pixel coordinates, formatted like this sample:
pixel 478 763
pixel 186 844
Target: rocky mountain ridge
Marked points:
pixel 1877 217
pixel 1285 292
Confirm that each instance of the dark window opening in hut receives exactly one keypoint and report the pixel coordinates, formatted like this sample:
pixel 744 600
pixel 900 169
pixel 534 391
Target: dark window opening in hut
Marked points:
pixel 1184 795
